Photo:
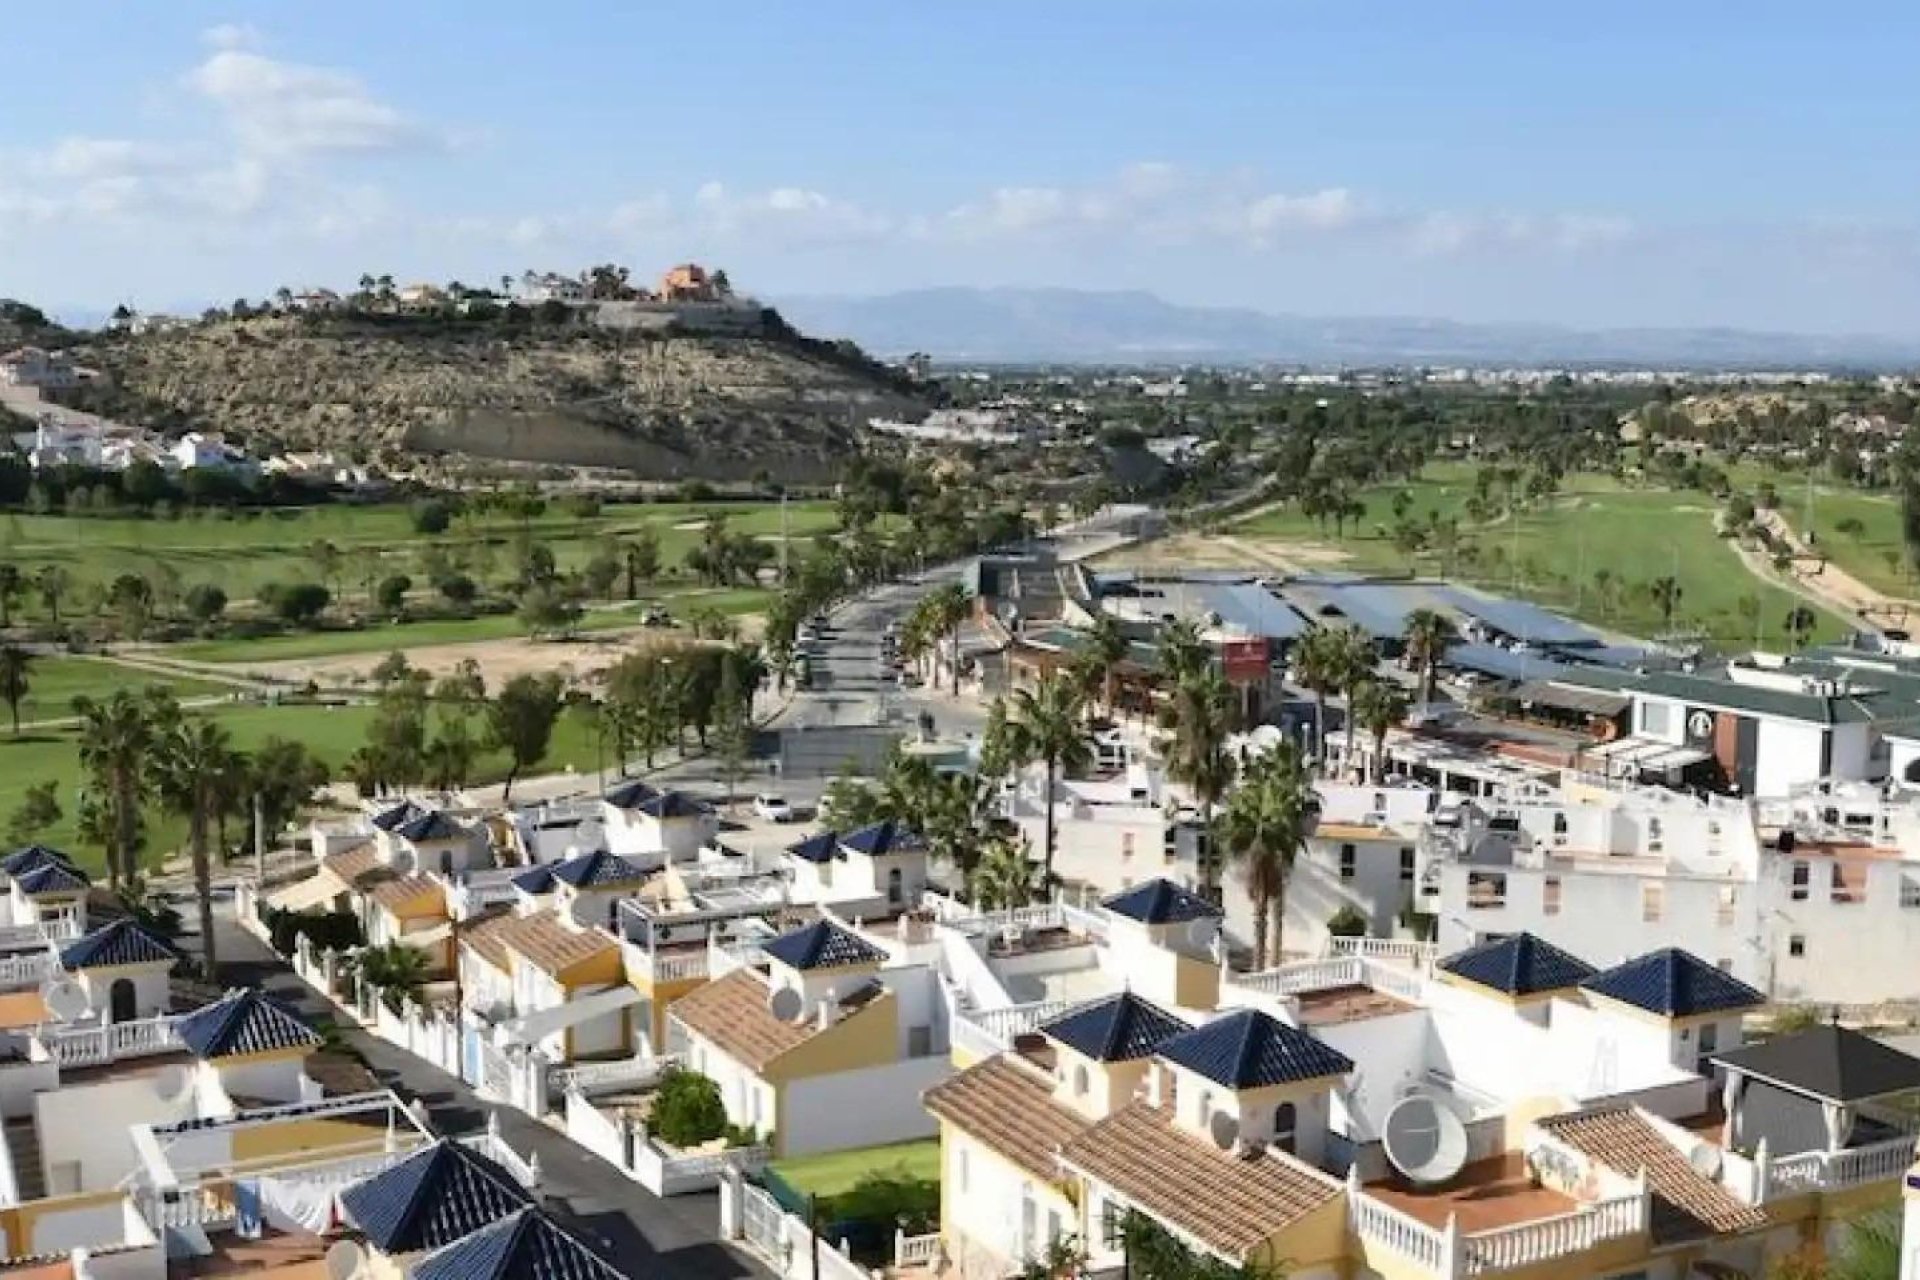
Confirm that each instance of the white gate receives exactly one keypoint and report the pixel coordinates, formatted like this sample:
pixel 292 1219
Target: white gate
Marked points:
pixel 763 1223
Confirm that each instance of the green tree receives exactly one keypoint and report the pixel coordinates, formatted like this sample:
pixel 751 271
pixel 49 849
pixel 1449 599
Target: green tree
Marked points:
pixel 1377 706
pixel 1198 718
pixel 397 971
pixel 52 582
pixel 641 554
pixel 1047 728
pixel 546 612
pixel 599 574
pixel 13 585
pixel 117 739
pixel 1264 828
pixel 1105 650
pixel 189 760
pixel 1323 661
pixel 1428 633
pixel 1800 622
pixel 1666 593
pixel 284 777
pixel 520 721
pixel 206 601
pixel 733 729
pixel 391 594
pixel 39 810
pixel 687 1109
pixel 1183 654
pixel 16 679
pixel 1003 879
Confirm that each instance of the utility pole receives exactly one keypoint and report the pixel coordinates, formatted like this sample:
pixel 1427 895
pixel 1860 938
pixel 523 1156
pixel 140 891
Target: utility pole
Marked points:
pixel 259 844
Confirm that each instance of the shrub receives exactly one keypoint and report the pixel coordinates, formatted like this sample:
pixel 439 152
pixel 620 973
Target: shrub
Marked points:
pixel 687 1110
pixel 295 602
pixel 1347 922
pixel 392 591
pixel 911 1204
pixel 431 515
pixel 457 588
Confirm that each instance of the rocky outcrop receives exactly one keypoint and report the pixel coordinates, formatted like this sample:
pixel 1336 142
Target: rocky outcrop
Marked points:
pixel 718 407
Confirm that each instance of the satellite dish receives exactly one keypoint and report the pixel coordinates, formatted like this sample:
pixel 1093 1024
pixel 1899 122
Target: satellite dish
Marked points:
pixel 785 1004
pixel 1705 1159
pixel 346 1260
pixel 1424 1140
pixel 1224 1129
pixel 65 999
pixel 174 1081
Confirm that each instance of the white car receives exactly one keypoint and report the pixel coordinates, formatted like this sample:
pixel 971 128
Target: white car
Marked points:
pixel 772 808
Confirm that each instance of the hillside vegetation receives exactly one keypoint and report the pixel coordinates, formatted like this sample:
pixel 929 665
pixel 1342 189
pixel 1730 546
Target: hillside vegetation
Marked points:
pixel 659 405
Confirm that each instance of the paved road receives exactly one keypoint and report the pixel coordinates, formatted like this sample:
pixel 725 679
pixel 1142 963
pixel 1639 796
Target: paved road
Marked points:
pixel 644 1234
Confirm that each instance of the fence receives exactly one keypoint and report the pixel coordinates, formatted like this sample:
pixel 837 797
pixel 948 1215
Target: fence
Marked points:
pixel 605 1077
pixel 1838 1170
pixel 27 970
pixel 1528 1243
pixel 624 1144
pixel 91 1046
pixel 988 1031
pixel 917 1251
pixel 1404 1234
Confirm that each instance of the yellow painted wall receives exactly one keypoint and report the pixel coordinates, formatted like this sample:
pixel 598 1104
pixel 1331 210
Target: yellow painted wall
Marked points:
pixel 600 969
pixel 19 1221
pixel 1318 1238
pixel 1196 983
pixel 868 1037
pixel 255 1142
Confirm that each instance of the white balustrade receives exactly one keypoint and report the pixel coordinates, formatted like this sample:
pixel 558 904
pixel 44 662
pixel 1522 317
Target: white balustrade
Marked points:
pixel 988 1031
pixel 1838 1170
pixel 1545 1239
pixel 1404 952
pixel 916 1251
pixel 1393 980
pixel 600 1077
pixel 1304 975
pixel 90 1046
pixel 1404 1234
pixel 26 970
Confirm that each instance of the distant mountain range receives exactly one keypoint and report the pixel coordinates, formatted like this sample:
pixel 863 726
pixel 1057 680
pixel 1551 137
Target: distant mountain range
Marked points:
pixel 1084 327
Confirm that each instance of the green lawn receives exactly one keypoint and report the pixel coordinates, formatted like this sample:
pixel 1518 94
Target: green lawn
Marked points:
pixel 332 733
pixel 53 684
pixel 244 553
pixel 432 631
pixel 837 1171
pixel 1593 550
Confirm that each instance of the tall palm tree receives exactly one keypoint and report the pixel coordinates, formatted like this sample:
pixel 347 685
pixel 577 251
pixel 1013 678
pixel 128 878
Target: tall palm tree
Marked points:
pixel 1106 649
pixel 948 609
pixel 15 680
pixel 1046 726
pixel 1004 877
pixel 1377 706
pixel 191 760
pixel 1427 635
pixel 1264 828
pixel 116 738
pixel 52 582
pixel 1666 592
pixel 1182 652
pixel 1198 718
pixel 397 970
pixel 1323 661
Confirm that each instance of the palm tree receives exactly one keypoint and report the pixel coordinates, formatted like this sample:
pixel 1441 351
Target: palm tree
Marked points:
pixel 947 609
pixel 1004 877
pixel 15 663
pixel 398 971
pixel 191 760
pixel 1046 726
pixel 1198 717
pixel 1800 623
pixel 1264 828
pixel 1427 635
pixel 52 582
pixel 116 739
pixel 1105 650
pixel 1182 652
pixel 1666 592
pixel 1323 662
pixel 1377 706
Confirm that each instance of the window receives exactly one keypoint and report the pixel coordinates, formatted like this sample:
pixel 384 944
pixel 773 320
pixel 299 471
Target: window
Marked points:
pixel 1802 877
pixel 1550 896
pixel 1206 1108
pixel 1286 1119
pixel 1486 889
pixel 1709 1039
pixel 896 891
pixel 1348 858
pixel 1126 844
pixel 1080 1081
pixel 1406 864
pixel 1654 836
pixel 1729 899
pixel 1797 945
pixel 960 1167
pixel 1653 902
pixel 1849 883
pixel 1559 828
pixel 920 1042
pixel 1656 719
pixel 1909 892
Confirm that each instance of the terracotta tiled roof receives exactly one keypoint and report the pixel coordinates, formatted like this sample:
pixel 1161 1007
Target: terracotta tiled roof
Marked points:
pixel 402 891
pixel 1010 1109
pixel 552 947
pixel 488 936
pixel 1687 1203
pixel 1242 1201
pixel 351 864
pixel 732 1013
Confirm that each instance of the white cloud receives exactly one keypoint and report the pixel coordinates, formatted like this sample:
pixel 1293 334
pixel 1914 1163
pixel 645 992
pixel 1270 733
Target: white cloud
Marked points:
pixel 231 35
pixel 290 109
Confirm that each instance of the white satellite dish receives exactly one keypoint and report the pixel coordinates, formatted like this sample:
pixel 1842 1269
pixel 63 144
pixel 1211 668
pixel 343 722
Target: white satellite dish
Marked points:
pixel 1705 1159
pixel 1224 1129
pixel 785 1004
pixel 174 1081
pixel 65 999
pixel 1424 1140
pixel 345 1260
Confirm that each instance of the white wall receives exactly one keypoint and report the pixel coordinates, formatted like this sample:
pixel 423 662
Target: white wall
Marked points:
pixel 89 1124
pixel 20 1081
pixel 984 1196
pixel 1392 1053
pixel 273 1080
pixel 152 991
pixel 1786 753
pixel 861 1108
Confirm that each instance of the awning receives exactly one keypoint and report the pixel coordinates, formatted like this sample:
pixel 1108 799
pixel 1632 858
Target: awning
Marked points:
pixel 1672 758
pixel 316 891
pixel 421 939
pixel 1564 697
pixel 531 1028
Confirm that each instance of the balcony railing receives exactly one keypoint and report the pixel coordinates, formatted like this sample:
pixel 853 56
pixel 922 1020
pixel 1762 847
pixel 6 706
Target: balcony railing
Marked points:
pixel 988 1031
pixel 1405 952
pixel 601 1077
pixel 1838 1170
pixel 28 969
pixel 1528 1243
pixel 91 1046
pixel 1427 1247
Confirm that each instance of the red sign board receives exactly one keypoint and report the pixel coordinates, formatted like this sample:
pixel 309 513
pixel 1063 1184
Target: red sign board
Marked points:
pixel 1245 660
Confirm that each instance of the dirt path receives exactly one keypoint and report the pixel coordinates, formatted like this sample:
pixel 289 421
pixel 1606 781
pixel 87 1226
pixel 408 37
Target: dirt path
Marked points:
pixel 1827 583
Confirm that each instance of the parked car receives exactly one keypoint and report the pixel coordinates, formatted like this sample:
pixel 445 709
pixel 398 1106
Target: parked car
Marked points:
pixel 655 616
pixel 772 808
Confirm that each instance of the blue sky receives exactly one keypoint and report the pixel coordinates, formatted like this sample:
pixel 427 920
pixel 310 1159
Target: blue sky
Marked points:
pixel 1749 165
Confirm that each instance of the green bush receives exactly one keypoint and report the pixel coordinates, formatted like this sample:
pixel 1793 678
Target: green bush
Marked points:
pixel 1347 922
pixel 911 1204
pixel 687 1110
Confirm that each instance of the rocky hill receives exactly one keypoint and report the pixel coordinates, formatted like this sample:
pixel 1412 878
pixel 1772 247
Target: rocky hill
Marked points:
pixel 659 405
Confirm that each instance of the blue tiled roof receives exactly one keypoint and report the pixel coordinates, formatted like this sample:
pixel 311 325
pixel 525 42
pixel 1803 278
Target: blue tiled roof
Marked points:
pixel 882 838
pixel 526 1245
pixel 1674 984
pixel 52 877
pixel 1116 1029
pixel 536 880
pixel 1159 902
pixel 824 847
pixel 652 801
pixel 625 795
pixel 597 868
pixel 1519 965
pixel 436 1196
pixel 1247 1049
pixel 29 857
pixel 434 824
pixel 397 816
pixel 244 1021
pixel 125 941
pixel 822 945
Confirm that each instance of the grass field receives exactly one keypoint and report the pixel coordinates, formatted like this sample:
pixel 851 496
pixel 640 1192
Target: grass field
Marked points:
pixel 55 682
pixel 244 553
pixel 837 1171
pixel 435 631
pixel 1557 553
pixel 332 733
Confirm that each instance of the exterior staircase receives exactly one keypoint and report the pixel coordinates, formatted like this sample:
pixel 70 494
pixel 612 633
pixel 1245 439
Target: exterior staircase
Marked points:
pixel 23 1149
